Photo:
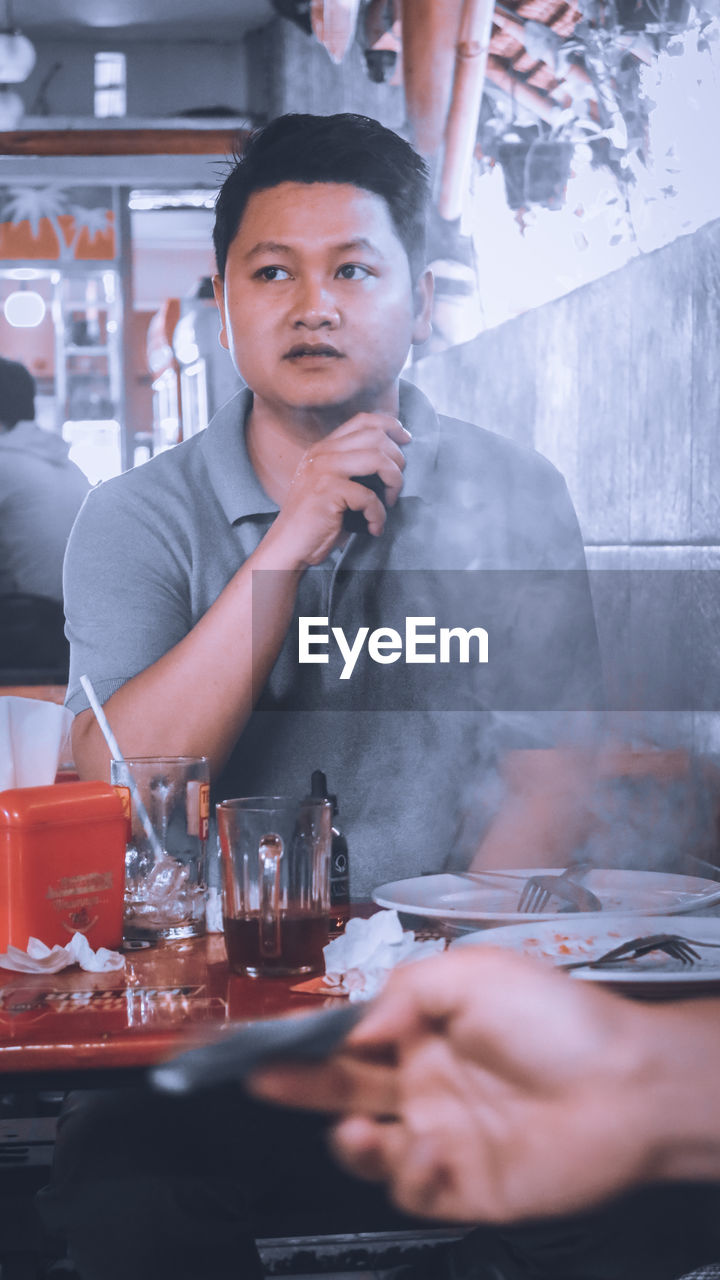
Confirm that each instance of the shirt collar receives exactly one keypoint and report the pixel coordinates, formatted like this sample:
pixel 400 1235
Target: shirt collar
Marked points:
pixel 421 420
pixel 238 489
pixel 231 472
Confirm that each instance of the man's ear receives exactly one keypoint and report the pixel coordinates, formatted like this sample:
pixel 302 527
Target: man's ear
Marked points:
pixel 219 291
pixel 423 299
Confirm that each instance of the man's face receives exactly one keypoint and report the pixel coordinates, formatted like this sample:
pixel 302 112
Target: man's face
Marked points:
pixel 317 304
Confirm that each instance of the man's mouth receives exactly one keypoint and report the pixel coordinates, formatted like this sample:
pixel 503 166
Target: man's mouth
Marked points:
pixel 312 351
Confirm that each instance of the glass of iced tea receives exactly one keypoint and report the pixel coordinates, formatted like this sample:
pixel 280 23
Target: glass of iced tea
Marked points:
pixel 275 854
pixel 165 887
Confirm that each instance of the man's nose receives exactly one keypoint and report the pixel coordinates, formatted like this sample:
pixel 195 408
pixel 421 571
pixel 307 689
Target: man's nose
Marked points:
pixel 314 306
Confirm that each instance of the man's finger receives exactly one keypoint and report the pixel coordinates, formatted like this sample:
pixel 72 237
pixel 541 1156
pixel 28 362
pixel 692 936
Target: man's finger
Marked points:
pixel 422 1181
pixel 369 1148
pixel 391 426
pixel 357 497
pixel 366 462
pixel 342 1084
pixel 363 461
pixel 414 1169
pixel 373 441
pixel 483 993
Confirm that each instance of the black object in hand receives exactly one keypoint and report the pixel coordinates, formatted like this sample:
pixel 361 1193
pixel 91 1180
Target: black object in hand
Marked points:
pixel 307 1038
pixel 354 521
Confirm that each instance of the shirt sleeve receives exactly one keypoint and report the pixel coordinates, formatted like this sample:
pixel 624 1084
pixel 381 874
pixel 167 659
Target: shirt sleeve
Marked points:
pixel 126 596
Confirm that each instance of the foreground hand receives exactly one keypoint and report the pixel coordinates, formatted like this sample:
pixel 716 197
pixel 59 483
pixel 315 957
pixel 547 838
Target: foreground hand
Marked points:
pixel 484 1087
pixel 310 521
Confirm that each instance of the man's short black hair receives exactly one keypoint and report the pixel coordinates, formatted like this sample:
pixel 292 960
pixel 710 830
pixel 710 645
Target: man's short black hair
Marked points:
pixel 343 148
pixel 17 393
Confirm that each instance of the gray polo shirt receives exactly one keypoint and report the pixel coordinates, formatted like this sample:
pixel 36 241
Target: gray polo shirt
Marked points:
pixel 414 774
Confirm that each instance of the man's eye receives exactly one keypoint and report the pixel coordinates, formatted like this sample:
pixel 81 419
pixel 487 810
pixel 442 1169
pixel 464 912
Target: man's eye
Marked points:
pixel 353 271
pixel 272 273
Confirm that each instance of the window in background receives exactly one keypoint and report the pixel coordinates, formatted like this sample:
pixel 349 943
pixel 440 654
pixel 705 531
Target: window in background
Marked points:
pixel 110 93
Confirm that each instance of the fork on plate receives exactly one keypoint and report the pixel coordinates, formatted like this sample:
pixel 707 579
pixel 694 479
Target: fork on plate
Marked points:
pixel 538 890
pixel 673 944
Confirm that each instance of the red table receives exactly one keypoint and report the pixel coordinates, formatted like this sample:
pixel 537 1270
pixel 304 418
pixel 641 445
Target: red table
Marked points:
pixel 74 1029
pixel 81 1030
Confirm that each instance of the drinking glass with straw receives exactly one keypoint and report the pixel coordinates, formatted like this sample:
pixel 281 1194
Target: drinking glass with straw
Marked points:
pixel 116 753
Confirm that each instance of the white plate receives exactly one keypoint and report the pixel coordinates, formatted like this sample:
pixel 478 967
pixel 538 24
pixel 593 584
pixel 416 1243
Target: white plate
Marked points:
pixel 579 939
pixel 456 900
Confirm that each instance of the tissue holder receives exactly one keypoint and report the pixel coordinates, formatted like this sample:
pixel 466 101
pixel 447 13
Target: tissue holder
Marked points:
pixel 62 864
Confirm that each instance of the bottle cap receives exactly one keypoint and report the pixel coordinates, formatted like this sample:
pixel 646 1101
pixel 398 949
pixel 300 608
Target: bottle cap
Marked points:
pixel 319 789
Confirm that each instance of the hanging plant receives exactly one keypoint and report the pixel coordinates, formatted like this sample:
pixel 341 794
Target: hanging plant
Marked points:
pixel 535 171
pixel 536 160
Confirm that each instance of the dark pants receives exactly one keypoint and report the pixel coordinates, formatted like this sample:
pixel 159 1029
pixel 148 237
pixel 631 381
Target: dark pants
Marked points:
pixel 162 1188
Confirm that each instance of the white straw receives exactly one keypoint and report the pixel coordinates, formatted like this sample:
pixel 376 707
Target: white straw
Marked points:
pixel 117 754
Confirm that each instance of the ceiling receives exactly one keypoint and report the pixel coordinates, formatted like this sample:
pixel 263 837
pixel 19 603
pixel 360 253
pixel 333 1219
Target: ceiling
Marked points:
pixel 138 19
pixel 510 66
pixel 522 66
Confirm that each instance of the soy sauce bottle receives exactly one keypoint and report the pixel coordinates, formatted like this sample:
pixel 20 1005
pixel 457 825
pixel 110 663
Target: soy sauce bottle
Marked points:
pixel 339 860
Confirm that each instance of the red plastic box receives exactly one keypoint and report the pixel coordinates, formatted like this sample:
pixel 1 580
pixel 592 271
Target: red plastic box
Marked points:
pixel 62 864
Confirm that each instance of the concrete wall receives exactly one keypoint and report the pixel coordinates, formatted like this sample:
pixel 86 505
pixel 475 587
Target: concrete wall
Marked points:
pixel 618 384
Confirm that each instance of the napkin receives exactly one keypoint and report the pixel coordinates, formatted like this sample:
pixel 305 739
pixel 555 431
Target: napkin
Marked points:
pixel 33 735
pixel 40 959
pixel 360 960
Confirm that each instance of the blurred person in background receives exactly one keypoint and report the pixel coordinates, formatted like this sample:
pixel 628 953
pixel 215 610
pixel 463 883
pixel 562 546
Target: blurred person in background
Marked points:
pixel 41 492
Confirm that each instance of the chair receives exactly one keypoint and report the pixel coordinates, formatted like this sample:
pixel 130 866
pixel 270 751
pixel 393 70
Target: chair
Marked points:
pixel 27 1135
pixel 33 646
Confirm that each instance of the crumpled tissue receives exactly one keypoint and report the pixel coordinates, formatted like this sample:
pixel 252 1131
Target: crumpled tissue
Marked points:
pixel 360 960
pixel 41 959
pixel 33 738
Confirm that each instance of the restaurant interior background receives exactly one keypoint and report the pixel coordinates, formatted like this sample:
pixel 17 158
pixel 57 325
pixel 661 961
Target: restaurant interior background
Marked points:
pixel 575 235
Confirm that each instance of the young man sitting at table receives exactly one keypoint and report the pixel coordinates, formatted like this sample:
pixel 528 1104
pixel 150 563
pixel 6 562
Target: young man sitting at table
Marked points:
pixel 322 289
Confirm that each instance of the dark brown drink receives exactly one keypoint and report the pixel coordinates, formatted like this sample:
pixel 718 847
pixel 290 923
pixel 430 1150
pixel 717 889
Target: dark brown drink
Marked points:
pixel 303 937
